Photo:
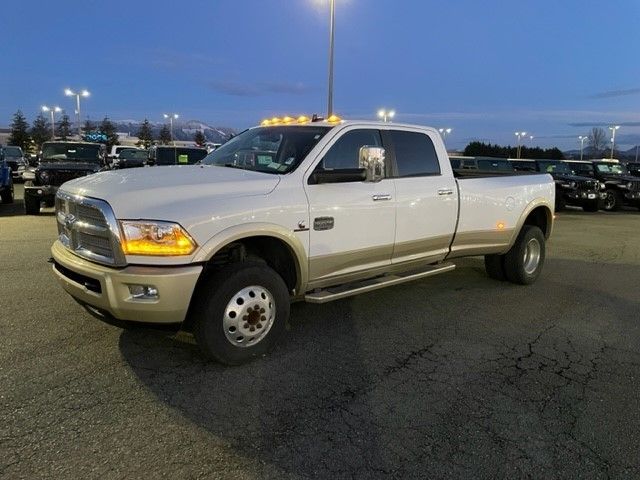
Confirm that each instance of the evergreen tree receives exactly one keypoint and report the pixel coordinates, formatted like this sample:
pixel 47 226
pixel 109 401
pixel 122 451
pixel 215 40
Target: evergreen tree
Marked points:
pixel 145 135
pixel 165 135
pixel 199 138
pixel 89 126
pixel 19 135
pixel 109 130
pixel 40 131
pixel 63 130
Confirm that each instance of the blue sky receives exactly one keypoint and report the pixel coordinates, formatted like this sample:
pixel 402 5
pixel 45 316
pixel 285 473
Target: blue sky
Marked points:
pixel 485 68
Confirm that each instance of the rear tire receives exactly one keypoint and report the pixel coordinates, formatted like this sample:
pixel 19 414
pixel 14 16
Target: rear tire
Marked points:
pixel 494 265
pixel 31 205
pixel 240 312
pixel 523 263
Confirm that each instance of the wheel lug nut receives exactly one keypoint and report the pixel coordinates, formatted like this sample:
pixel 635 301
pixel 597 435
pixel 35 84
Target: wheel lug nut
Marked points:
pixel 246 325
pixel 259 325
pixel 262 310
pixel 263 318
pixel 252 329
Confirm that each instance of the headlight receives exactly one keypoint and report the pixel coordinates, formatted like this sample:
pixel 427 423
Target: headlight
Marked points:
pixel 155 238
pixel 603 186
pixel 630 185
pixel 44 177
pixel 29 175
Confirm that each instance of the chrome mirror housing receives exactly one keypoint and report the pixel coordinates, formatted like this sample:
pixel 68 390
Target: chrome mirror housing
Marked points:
pixel 372 159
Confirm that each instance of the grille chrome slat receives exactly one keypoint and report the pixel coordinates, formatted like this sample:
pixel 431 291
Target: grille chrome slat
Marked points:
pixel 88 227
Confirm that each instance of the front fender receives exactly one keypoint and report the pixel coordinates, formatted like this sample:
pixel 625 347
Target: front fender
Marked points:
pixel 259 229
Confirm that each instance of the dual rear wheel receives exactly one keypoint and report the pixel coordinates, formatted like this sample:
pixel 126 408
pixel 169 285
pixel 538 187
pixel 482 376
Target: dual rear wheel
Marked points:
pixel 523 263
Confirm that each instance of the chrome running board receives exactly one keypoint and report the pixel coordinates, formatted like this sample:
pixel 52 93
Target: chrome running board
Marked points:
pixel 330 294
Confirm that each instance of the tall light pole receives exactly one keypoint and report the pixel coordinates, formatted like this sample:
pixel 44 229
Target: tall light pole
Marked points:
pixel 171 116
pixel 386 115
pixel 613 129
pixel 83 93
pixel 445 131
pixel 332 27
pixel 582 139
pixel 52 110
pixel 520 135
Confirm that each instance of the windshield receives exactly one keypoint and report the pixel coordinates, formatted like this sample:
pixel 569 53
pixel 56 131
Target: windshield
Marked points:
pixel 268 149
pixel 12 152
pixel 554 167
pixel 71 152
pixel 614 168
pixel 134 155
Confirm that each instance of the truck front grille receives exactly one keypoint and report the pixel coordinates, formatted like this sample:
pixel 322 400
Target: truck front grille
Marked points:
pixel 87 227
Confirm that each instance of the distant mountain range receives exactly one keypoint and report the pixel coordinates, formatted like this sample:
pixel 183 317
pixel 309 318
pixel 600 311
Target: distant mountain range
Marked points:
pixel 181 130
pixel 588 153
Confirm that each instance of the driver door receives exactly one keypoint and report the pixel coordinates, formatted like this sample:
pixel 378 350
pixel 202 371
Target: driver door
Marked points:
pixel 352 224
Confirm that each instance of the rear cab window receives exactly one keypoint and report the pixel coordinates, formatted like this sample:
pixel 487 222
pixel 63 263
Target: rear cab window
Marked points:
pixel 415 154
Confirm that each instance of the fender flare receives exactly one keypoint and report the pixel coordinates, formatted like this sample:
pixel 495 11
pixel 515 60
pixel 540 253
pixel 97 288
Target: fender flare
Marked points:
pixel 261 229
pixel 538 202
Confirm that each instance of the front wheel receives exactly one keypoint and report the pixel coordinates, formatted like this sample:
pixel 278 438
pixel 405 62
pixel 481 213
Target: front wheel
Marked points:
pixel 613 201
pixel 523 263
pixel 240 312
pixel 7 195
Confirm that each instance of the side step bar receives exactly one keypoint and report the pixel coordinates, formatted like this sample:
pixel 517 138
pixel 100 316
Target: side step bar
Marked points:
pixel 343 291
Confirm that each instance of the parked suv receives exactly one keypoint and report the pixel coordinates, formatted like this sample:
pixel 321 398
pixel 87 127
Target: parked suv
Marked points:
pixel 164 155
pixel 581 191
pixel 15 160
pixel 59 162
pixel 130 158
pixel 634 169
pixel 621 188
pixel 6 182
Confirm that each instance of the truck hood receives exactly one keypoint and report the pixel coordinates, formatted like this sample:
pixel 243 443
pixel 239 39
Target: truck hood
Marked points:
pixel 170 192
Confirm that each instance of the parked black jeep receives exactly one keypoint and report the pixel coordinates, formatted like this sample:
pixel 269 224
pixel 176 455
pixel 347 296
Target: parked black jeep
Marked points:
pixel 634 169
pixel 60 162
pixel 621 188
pixel 571 189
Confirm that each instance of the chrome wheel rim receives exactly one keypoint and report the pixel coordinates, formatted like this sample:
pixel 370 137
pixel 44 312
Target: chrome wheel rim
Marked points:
pixel 249 316
pixel 532 256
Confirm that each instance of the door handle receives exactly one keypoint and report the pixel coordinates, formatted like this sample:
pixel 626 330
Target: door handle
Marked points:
pixel 381 196
pixel 445 191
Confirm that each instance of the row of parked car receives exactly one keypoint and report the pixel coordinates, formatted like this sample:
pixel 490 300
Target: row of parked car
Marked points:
pixel 591 184
pixel 59 162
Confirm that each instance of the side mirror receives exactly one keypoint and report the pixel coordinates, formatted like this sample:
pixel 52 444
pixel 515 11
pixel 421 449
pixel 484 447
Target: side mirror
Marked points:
pixel 372 160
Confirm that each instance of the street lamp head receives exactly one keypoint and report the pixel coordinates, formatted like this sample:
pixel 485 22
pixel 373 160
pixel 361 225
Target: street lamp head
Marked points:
pixel 448 130
pixel 68 92
pixel 381 113
pixel 85 93
pixel 45 108
pixel 392 113
pixel 57 109
pixel 175 115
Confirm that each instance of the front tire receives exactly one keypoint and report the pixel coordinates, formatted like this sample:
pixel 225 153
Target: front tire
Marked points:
pixel 7 195
pixel 31 205
pixel 240 312
pixel 523 263
pixel 613 201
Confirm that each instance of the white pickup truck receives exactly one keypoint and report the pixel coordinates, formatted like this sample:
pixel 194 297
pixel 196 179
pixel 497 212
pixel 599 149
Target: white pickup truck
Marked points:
pixel 290 210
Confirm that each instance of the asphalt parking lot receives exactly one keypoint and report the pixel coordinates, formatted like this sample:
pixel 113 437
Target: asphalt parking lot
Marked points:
pixel 457 376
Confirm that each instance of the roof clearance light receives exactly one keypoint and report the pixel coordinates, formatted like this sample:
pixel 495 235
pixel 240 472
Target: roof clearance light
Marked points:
pixel 303 119
pixel 287 120
pixel 275 121
pixel 265 123
pixel 334 119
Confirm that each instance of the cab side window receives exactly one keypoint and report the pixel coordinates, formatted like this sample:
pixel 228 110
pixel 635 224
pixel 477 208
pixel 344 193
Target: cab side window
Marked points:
pixel 415 154
pixel 345 152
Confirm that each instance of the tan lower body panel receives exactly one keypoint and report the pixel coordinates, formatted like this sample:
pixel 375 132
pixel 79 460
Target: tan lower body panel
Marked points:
pixel 175 287
pixel 467 244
